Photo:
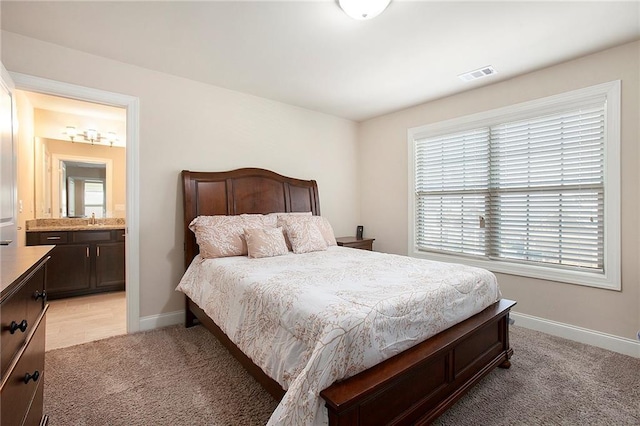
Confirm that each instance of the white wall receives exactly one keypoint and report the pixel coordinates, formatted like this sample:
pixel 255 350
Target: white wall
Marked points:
pixel 384 183
pixel 189 125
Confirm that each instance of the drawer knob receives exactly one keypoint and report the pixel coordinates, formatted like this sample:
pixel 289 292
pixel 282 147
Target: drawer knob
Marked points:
pixel 40 295
pixel 35 376
pixel 15 326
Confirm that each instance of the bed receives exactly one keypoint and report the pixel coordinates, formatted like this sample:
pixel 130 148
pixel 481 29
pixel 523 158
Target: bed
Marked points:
pixel 414 386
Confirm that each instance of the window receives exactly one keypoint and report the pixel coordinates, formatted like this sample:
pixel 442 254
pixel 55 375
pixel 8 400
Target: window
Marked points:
pixel 94 199
pixel 531 189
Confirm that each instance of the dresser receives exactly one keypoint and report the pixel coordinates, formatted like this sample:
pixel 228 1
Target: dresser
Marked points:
pixel 23 311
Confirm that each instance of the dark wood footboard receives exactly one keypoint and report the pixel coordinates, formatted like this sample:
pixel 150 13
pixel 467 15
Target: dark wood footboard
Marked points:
pixel 418 385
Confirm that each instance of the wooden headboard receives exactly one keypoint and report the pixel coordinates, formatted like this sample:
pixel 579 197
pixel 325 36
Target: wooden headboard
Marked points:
pixel 241 191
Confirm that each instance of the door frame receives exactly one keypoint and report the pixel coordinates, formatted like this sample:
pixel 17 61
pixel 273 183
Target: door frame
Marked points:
pixel 132 105
pixel 9 225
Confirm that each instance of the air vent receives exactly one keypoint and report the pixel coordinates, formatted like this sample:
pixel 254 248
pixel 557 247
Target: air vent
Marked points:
pixel 479 73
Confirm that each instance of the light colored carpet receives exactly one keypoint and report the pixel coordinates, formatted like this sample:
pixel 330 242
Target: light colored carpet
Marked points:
pixel 178 376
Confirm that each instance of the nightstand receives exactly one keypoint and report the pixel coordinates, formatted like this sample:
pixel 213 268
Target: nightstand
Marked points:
pixel 358 243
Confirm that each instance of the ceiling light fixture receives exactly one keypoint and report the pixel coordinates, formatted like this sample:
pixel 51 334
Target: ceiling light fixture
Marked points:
pixel 363 9
pixel 90 135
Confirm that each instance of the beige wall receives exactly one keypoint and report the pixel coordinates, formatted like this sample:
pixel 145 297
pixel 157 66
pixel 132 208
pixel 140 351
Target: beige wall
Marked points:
pixel 384 184
pixel 189 125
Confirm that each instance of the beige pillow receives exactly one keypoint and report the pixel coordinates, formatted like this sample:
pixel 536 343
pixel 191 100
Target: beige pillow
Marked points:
pixel 265 242
pixel 219 236
pixel 322 223
pixel 223 236
pixel 326 229
pixel 305 236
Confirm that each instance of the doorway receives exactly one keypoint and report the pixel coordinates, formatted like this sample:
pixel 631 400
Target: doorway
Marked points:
pixel 81 185
pixel 131 105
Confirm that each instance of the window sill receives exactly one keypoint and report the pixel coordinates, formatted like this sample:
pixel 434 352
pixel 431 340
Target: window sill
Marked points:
pixel 606 281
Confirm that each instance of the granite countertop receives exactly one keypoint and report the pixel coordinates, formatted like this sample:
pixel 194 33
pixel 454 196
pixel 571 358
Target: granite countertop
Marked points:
pixel 74 224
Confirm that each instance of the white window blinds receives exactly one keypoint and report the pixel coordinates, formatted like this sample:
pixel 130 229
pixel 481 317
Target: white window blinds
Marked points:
pixel 529 190
pixel 452 180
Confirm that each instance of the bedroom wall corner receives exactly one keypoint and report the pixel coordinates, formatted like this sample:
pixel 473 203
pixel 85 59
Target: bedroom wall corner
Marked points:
pixel 384 177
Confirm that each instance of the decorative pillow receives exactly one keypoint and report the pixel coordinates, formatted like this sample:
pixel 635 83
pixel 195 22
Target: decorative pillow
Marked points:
pixel 326 229
pixel 219 236
pixel 322 223
pixel 305 236
pixel 223 236
pixel 265 242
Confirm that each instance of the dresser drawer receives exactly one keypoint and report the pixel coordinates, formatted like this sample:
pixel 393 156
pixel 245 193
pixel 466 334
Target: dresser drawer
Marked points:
pixel 362 246
pixel 34 416
pixel 35 295
pixel 20 306
pixel 356 243
pixel 12 314
pixel 17 394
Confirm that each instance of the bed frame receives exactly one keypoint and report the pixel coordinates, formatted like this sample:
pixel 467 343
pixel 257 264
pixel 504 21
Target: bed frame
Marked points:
pixel 413 387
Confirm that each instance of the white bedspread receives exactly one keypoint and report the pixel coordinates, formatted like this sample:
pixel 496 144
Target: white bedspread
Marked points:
pixel 310 319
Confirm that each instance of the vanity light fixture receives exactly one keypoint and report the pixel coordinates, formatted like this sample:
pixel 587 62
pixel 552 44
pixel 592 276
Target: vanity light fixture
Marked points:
pixel 90 135
pixel 71 132
pixel 111 137
pixel 363 9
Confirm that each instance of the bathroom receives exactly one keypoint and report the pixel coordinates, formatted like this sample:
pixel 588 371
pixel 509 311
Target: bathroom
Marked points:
pixel 71 167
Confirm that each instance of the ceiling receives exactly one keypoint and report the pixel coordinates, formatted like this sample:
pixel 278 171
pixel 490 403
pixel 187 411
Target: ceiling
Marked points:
pixel 310 54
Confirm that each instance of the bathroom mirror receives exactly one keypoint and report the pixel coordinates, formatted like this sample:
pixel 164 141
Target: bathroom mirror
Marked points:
pixel 76 180
pixel 83 192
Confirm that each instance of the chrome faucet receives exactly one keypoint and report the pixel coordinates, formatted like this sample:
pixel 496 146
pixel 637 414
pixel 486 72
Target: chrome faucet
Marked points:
pixel 93 219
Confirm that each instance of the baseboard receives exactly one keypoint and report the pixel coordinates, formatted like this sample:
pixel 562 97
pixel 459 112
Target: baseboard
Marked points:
pixel 583 335
pixel 161 320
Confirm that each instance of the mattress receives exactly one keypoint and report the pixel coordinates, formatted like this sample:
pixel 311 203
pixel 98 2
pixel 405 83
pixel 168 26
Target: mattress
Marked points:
pixel 310 319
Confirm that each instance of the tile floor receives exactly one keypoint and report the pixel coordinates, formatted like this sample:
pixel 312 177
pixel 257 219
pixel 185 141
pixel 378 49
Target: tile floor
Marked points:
pixel 84 319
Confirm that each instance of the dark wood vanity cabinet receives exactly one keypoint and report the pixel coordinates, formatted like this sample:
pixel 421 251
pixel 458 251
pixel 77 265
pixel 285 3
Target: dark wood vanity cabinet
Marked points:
pixel 109 265
pixel 83 262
